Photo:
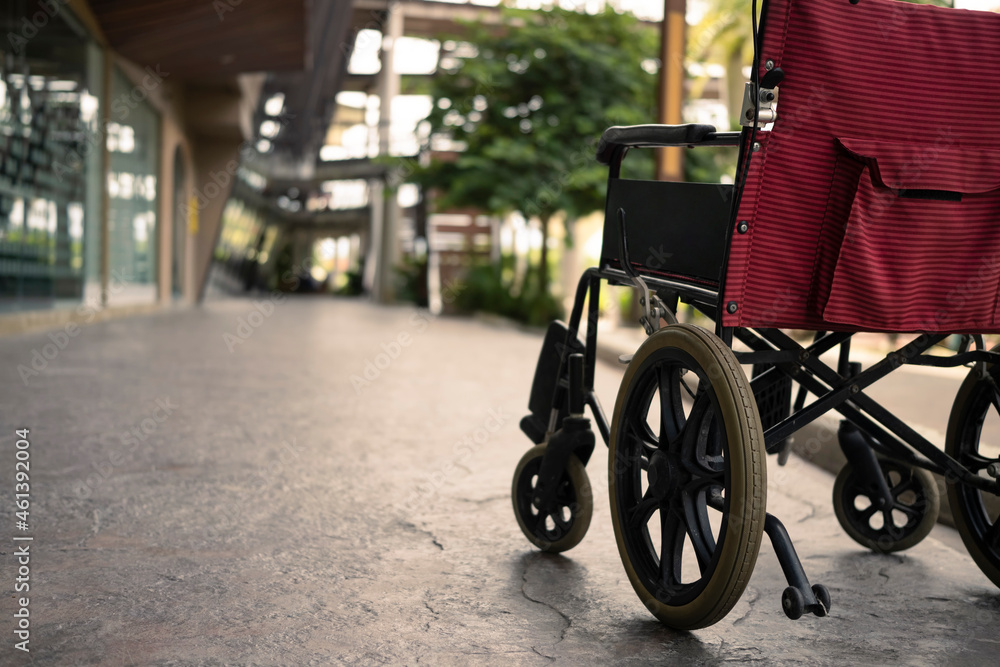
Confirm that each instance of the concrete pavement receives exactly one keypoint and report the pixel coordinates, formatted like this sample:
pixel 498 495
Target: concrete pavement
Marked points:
pixel 327 482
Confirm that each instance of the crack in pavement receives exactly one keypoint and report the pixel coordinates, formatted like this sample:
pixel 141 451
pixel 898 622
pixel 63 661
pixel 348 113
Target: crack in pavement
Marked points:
pixel 812 513
pixel 569 622
pixel 483 501
pixel 547 657
pixel 408 525
pixel 751 601
pixel 794 496
pixel 723 657
pixel 437 614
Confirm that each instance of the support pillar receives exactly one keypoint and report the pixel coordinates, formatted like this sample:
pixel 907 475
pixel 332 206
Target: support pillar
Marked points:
pixel 371 248
pixel 354 253
pixel 215 165
pixel 670 161
pixel 387 247
pixel 335 266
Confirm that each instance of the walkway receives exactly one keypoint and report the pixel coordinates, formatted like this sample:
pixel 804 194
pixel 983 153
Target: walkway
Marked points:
pixel 322 481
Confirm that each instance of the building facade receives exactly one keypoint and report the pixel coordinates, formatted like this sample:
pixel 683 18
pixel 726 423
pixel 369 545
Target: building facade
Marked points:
pixel 122 128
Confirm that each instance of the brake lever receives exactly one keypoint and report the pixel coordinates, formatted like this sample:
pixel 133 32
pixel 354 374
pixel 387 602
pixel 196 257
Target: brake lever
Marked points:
pixel 652 306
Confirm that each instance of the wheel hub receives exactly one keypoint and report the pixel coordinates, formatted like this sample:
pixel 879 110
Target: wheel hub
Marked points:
pixel 664 476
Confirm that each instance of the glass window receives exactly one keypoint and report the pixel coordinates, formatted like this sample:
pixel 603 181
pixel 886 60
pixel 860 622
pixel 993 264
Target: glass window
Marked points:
pixel 133 138
pixel 50 85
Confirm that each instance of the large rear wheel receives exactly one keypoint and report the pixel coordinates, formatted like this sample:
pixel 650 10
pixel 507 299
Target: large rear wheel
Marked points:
pixel 973 439
pixel 687 477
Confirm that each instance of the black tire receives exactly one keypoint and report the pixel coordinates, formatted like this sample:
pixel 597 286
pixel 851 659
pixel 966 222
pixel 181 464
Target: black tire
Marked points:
pixel 915 508
pixel 976 513
pixel 793 603
pixel 564 528
pixel 823 597
pixel 714 461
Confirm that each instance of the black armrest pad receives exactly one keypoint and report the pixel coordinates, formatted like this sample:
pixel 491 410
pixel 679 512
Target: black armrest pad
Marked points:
pixel 650 135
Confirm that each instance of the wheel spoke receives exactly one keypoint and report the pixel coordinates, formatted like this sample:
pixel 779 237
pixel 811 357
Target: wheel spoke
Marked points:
pixel 992 537
pixel 706 484
pixel 976 462
pixel 716 498
pixel 994 398
pixel 908 510
pixel 687 388
pixel 867 512
pixel 713 457
pixel 646 439
pixel 671 421
pixel 904 486
pixel 889 525
pixel 698 433
pixel 540 528
pixel 699 529
pixel 565 494
pixel 642 511
pixel 671 540
pixel 687 441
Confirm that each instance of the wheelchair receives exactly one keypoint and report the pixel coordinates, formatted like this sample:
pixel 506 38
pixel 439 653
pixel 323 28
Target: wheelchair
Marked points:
pixel 866 199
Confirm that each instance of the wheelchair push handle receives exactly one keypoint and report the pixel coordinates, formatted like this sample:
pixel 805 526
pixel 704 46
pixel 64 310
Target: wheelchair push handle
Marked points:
pixel 617 138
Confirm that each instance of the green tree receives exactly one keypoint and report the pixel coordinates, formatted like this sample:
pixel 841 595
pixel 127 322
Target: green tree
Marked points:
pixel 530 107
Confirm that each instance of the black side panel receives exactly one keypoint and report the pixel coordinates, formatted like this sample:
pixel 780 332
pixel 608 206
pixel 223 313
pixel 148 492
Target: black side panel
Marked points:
pixel 547 371
pixel 554 349
pixel 677 229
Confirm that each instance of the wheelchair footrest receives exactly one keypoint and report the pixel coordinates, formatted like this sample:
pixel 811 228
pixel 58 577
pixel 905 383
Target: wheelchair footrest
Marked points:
pixel 534 428
pixel 547 375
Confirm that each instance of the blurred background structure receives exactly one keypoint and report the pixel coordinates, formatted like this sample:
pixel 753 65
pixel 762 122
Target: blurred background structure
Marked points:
pixel 426 151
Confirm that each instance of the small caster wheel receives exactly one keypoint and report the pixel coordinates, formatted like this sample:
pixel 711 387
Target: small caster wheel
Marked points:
pixel 914 511
pixel 823 597
pixel 565 526
pixel 793 603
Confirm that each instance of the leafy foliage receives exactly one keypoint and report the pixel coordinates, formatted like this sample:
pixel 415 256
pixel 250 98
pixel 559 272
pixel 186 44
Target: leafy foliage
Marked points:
pixel 411 281
pixel 355 282
pixel 486 290
pixel 530 107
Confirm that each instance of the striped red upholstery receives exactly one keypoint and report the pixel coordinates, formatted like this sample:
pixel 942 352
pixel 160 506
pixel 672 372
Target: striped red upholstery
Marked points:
pixel 874 203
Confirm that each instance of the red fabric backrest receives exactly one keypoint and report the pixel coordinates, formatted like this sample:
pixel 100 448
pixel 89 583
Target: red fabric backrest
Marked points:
pixel 874 202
